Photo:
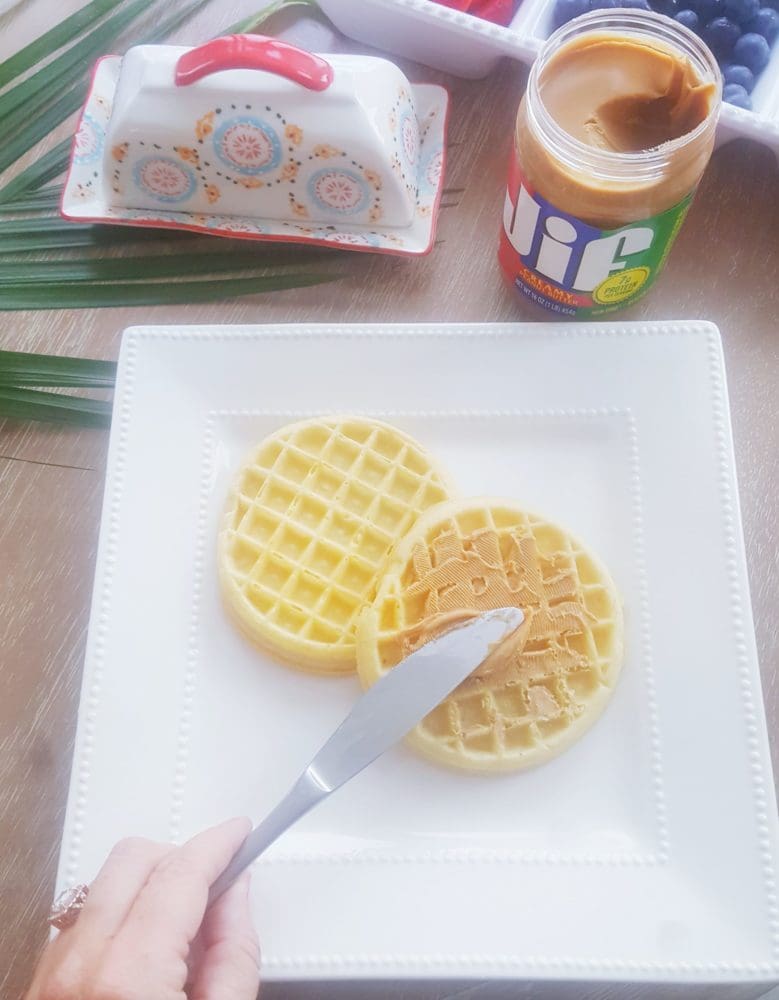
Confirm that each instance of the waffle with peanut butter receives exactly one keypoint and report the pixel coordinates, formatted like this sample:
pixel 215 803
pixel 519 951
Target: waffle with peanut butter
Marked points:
pixel 534 698
pixel 311 520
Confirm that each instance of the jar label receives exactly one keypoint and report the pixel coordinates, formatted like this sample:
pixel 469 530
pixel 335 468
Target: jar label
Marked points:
pixel 572 268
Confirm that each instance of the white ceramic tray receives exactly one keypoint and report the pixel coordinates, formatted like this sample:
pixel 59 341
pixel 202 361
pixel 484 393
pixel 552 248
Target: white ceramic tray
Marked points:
pixel 470 46
pixel 646 852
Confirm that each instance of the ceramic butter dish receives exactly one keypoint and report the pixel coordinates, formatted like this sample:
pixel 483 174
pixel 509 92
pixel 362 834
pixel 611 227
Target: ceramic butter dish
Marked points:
pixel 253 137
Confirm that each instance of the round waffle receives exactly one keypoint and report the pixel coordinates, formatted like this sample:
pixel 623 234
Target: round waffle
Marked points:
pixel 310 523
pixel 467 556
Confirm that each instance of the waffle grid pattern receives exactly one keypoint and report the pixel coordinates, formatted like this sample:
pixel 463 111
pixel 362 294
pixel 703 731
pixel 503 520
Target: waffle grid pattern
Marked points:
pixel 562 677
pixel 315 515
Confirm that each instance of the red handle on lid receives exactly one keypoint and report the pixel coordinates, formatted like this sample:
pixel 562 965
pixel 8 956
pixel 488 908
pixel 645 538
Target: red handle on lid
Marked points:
pixel 254 52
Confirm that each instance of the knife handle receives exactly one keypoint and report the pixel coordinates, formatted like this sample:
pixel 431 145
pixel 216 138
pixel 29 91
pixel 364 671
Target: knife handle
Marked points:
pixel 302 797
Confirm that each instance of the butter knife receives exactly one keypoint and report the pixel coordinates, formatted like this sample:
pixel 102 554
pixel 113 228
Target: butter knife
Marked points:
pixel 379 718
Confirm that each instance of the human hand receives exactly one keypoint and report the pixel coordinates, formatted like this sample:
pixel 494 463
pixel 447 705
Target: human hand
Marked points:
pixel 144 933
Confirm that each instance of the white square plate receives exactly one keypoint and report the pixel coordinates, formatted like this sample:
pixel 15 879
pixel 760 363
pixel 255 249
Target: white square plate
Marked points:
pixel 646 852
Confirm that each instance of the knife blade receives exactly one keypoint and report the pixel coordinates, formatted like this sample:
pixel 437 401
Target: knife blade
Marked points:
pixel 380 717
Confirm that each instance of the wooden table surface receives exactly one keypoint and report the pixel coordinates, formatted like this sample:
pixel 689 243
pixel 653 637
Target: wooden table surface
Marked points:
pixel 724 267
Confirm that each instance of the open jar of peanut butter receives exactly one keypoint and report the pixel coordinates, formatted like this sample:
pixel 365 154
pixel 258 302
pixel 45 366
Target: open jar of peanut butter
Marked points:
pixel 613 134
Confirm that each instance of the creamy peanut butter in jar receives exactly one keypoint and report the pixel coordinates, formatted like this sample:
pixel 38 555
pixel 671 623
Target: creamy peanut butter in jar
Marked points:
pixel 613 134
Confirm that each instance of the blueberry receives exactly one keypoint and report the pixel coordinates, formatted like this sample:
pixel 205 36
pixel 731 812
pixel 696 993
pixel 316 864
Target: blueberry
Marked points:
pixel 636 4
pixel 566 10
pixel 741 11
pixel 735 94
pixel 752 50
pixel 721 35
pixel 734 73
pixel 668 7
pixel 689 19
pixel 765 23
pixel 707 10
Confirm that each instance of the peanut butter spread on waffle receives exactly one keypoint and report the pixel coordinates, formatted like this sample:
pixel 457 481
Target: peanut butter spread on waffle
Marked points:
pixel 545 685
pixel 459 578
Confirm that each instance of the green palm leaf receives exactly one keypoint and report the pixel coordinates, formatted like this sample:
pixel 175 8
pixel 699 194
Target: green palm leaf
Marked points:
pixel 170 24
pixel 55 38
pixel 69 66
pixel 43 170
pixel 45 201
pixel 51 234
pixel 89 295
pixel 26 137
pixel 249 24
pixel 19 369
pixel 34 404
pixel 147 268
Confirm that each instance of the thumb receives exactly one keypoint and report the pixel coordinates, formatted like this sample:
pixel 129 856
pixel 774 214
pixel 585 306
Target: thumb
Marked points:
pixel 229 967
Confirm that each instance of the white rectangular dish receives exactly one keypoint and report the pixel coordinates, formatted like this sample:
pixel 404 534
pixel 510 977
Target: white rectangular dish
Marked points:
pixel 646 852
pixel 341 204
pixel 469 46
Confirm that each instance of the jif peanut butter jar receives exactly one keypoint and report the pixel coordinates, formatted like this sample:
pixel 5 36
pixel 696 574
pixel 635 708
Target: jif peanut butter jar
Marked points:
pixel 613 134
